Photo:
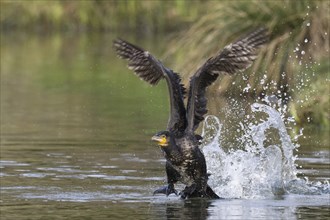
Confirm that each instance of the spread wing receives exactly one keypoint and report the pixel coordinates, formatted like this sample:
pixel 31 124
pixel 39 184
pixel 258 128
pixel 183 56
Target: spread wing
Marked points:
pixel 233 58
pixel 152 71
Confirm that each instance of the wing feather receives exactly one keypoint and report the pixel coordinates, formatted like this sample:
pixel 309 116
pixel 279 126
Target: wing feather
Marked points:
pixel 234 58
pixel 151 70
pixel 141 62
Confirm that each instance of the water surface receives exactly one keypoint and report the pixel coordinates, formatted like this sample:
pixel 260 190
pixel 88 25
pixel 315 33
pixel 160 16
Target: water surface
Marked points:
pixel 75 140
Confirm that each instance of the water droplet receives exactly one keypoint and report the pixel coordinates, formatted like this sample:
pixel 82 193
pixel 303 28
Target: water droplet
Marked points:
pixel 308 24
pixel 302 52
pixel 247 88
pixel 306 40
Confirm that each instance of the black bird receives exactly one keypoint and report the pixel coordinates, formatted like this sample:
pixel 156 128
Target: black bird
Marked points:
pixel 184 160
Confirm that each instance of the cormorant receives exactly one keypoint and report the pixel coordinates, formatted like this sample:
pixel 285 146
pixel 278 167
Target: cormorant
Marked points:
pixel 184 160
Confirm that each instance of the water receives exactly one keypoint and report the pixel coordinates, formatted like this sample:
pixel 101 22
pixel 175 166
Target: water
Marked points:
pixel 258 171
pixel 75 143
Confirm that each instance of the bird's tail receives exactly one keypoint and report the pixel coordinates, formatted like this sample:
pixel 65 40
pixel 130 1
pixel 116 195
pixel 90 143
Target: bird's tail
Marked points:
pixel 210 193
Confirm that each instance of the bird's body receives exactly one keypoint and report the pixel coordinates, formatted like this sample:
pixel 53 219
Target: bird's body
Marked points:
pixel 185 163
pixel 188 161
pixel 184 160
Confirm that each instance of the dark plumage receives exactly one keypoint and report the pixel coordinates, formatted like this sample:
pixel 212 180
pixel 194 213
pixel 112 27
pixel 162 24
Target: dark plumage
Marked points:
pixel 184 160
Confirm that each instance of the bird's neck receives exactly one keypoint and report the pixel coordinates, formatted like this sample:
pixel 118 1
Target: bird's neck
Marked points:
pixel 172 153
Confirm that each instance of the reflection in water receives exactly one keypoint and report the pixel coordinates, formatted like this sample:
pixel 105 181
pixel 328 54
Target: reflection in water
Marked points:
pixel 174 209
pixel 75 130
pixel 285 208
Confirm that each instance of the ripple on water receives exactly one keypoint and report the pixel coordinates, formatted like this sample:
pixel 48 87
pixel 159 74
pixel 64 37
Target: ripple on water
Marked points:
pixel 37 175
pixel 67 169
pixel 108 167
pixel 86 196
pixel 11 163
pixel 18 187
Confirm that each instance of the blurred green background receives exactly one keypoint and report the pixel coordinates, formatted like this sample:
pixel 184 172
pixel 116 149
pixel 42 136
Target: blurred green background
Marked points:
pixel 70 109
pixel 294 66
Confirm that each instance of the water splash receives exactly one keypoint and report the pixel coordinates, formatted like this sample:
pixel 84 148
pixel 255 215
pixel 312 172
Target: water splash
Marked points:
pixel 260 170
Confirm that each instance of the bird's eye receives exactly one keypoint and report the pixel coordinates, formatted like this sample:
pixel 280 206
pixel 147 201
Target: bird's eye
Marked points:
pixel 163 136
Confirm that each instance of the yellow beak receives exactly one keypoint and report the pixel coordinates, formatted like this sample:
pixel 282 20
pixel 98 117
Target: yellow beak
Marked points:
pixel 162 141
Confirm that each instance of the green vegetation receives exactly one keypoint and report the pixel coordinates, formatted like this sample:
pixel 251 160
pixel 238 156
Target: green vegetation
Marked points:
pixel 294 65
pixel 311 104
pixel 141 16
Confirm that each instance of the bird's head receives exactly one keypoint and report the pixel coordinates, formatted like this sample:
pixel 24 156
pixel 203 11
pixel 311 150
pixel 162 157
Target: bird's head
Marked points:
pixel 162 138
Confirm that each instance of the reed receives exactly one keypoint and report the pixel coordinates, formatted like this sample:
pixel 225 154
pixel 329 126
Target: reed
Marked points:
pixel 293 66
pixel 134 15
